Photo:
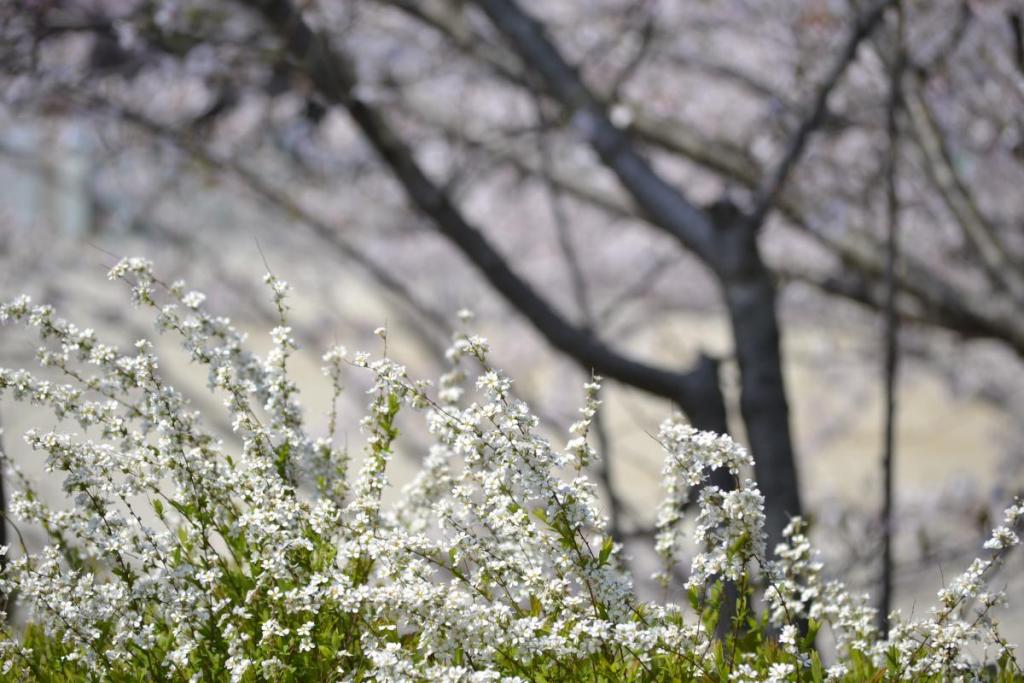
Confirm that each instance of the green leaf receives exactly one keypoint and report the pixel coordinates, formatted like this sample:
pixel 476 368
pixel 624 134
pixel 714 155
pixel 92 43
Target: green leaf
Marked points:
pixel 693 595
pixel 817 670
pixel 807 642
pixel 606 550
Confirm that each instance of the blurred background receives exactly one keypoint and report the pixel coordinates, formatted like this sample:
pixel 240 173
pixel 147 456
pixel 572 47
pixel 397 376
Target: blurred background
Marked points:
pixel 801 222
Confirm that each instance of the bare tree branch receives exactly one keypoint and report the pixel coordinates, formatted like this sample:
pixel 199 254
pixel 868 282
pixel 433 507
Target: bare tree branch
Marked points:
pixel 3 502
pixel 999 265
pixel 856 251
pixel 666 206
pixel 719 156
pixel 891 322
pixel 766 196
pixel 333 75
pixel 329 233
pixel 581 295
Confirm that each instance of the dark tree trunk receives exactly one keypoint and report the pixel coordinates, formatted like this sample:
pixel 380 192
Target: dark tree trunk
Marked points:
pixel 749 292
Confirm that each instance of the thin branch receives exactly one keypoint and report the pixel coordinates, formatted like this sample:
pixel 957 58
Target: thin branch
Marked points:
pixel 647 34
pixel 3 504
pixel 891 324
pixel 1017 29
pixel 667 207
pixel 767 195
pixel 573 185
pixel 322 228
pixel 642 284
pixel 719 156
pixel 580 294
pixel 999 266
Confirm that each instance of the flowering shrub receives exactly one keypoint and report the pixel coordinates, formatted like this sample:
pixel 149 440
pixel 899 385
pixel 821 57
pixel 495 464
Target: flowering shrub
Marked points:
pixel 181 559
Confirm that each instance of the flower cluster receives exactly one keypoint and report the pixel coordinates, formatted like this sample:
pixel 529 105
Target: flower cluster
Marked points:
pixel 726 518
pixel 182 557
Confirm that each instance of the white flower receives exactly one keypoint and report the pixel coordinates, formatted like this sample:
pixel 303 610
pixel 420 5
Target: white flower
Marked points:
pixel 836 672
pixel 193 300
pixel 1002 538
pixel 779 672
pixel 265 544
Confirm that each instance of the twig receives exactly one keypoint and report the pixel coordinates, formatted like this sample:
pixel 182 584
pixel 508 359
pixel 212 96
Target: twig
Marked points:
pixel 891 322
pixel 769 192
pixel 583 303
pixel 3 501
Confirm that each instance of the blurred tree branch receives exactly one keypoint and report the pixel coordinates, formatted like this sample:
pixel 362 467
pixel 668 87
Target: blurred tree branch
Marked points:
pixel 334 77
